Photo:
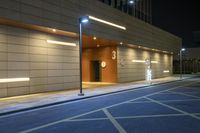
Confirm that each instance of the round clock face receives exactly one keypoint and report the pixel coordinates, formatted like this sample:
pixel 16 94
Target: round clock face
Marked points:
pixel 103 64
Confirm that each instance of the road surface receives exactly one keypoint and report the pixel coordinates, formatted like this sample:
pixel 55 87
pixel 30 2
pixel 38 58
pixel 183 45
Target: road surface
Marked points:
pixel 166 108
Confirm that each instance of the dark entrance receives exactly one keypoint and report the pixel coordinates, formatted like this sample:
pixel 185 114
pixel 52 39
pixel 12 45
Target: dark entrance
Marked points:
pixel 96 72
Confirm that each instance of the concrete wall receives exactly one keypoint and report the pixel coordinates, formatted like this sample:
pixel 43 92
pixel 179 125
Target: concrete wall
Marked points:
pixel 64 14
pixel 133 71
pixel 25 53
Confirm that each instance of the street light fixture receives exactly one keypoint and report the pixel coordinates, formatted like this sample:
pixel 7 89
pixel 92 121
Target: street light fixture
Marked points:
pixel 181 51
pixel 131 2
pixel 82 20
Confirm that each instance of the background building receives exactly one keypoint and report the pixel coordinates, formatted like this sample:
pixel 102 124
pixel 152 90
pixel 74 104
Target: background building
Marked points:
pixel 140 9
pixel 191 61
pixel 32 59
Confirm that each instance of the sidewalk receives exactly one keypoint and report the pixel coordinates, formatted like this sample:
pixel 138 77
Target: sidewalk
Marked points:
pixel 14 104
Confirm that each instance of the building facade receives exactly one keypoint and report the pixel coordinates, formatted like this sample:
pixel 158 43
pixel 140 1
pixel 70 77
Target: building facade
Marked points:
pixel 140 9
pixel 39 47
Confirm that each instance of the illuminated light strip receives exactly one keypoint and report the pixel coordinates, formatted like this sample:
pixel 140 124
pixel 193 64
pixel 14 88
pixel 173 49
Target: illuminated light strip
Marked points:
pixel 8 80
pixel 166 71
pixel 139 61
pixel 155 62
pixel 61 43
pixel 143 61
pixel 106 22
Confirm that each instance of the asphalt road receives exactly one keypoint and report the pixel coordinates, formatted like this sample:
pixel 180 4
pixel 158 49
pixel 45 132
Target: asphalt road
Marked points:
pixel 167 108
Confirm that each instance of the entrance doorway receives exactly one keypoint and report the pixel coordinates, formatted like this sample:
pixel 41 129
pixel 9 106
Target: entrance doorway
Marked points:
pixel 96 71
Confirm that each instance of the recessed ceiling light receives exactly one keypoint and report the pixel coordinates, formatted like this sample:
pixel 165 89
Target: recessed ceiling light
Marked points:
pixel 121 43
pixel 54 30
pixel 98 45
pixel 94 38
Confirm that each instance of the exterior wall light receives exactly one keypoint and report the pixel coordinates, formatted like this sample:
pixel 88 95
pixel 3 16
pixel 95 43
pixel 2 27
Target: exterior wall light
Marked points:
pixel 139 61
pixel 8 80
pixel 166 71
pixel 107 22
pixel 61 43
pixel 143 61
pixel 154 62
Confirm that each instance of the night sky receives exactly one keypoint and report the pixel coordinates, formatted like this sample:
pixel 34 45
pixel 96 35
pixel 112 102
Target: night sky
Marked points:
pixel 179 17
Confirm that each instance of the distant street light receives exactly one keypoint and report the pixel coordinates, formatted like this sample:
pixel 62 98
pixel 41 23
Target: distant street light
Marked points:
pixel 82 20
pixel 181 51
pixel 131 2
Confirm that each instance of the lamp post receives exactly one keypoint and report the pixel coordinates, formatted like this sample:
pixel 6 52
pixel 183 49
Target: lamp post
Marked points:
pixel 181 51
pixel 82 20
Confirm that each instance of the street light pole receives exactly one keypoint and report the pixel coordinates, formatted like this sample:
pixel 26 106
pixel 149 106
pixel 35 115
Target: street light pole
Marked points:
pixel 84 19
pixel 80 58
pixel 181 51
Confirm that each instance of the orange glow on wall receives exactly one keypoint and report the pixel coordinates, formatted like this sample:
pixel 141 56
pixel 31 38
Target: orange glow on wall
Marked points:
pixel 109 73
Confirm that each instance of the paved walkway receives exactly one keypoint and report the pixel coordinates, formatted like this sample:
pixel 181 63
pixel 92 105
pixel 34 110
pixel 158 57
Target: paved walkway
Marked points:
pixel 29 101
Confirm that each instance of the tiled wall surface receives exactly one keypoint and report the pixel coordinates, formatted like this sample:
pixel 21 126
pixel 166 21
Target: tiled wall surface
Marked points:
pixel 64 14
pixel 133 71
pixel 26 53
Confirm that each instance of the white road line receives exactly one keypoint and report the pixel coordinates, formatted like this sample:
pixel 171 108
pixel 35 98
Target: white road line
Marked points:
pixel 73 117
pixel 114 122
pixel 166 101
pixel 173 108
pixel 180 93
pixel 149 116
pixel 165 93
pixel 139 102
pixel 89 119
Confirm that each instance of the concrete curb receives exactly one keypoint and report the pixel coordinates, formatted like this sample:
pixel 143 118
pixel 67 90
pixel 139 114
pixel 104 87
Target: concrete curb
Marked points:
pixel 87 97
